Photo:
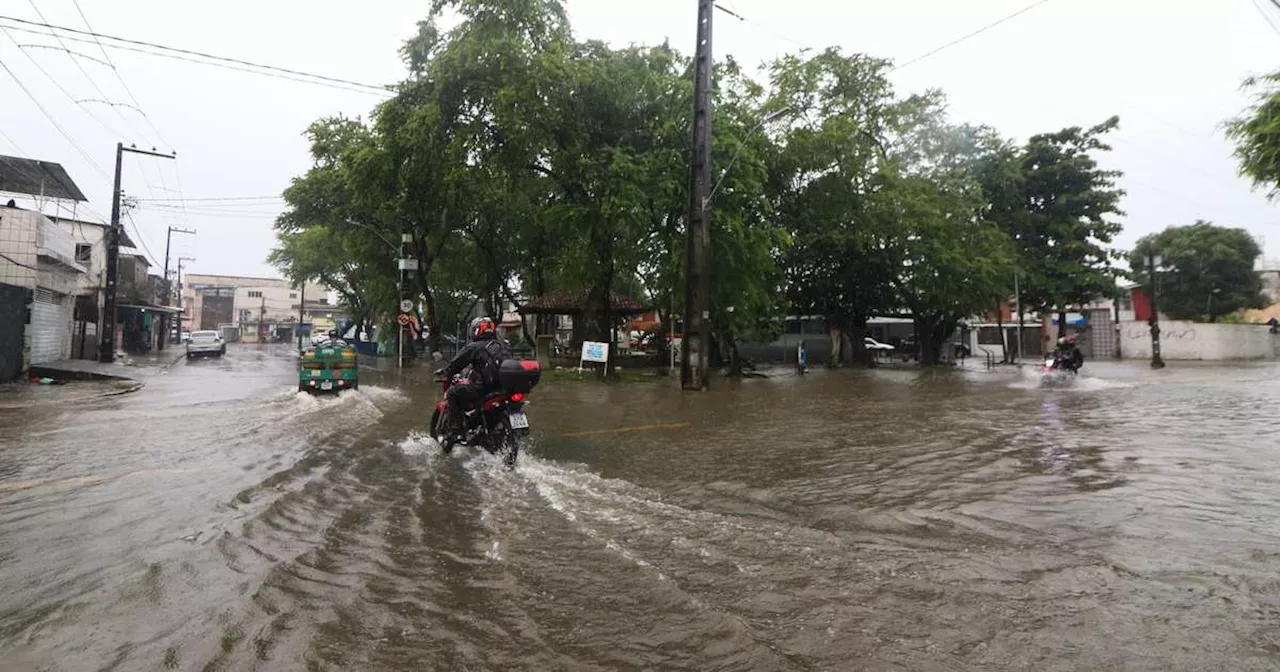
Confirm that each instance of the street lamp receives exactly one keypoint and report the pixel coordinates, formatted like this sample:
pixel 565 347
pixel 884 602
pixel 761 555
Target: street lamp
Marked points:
pixel 750 134
pixel 1153 263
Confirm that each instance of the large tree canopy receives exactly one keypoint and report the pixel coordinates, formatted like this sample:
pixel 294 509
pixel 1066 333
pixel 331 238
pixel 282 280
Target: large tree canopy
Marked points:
pixel 1206 271
pixel 522 161
pixel 1256 133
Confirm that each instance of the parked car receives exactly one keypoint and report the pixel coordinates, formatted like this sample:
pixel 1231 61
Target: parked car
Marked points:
pixel 205 344
pixel 873 344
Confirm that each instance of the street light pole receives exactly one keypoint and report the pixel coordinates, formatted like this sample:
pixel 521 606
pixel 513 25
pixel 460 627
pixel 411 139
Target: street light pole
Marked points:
pixel 1153 261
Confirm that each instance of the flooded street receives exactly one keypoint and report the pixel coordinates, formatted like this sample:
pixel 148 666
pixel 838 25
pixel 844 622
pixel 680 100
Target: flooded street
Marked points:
pixel 868 520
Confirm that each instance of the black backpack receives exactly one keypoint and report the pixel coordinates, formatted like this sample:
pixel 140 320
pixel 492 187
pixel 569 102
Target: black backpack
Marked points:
pixel 496 351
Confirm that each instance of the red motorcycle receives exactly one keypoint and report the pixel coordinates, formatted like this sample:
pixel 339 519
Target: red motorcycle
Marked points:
pixel 497 423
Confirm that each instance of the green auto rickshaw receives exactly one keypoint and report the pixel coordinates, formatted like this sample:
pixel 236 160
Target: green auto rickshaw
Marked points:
pixel 329 366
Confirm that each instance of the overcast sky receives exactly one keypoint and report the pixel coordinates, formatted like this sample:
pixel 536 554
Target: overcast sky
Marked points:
pixel 1170 70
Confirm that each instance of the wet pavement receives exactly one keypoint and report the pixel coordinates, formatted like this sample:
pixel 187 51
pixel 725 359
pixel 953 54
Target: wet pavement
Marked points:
pixel 871 520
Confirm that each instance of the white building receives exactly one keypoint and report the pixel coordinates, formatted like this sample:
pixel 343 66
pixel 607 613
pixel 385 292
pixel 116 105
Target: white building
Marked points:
pixel 38 258
pixel 257 307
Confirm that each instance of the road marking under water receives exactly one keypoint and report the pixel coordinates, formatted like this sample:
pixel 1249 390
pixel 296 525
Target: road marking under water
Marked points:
pixel 641 428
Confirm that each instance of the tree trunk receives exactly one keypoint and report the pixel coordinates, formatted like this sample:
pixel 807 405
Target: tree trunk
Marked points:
pixel 1062 323
pixel 1004 341
pixel 857 336
pixel 661 341
pixel 836 336
pixel 735 361
pixel 433 322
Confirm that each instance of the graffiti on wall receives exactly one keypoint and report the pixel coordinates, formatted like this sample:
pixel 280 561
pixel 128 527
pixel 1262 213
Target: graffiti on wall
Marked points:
pixel 1174 334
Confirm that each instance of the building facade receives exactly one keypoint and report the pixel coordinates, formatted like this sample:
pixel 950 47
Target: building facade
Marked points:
pixel 251 309
pixel 38 269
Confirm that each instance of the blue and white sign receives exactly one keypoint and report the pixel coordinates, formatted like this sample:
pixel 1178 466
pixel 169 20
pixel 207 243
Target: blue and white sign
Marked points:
pixel 595 352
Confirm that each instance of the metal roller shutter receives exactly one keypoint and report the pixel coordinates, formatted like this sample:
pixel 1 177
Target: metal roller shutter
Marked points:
pixel 50 327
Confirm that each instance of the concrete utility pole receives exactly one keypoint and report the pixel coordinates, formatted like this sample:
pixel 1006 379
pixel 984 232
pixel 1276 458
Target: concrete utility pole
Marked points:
pixel 408 266
pixel 695 363
pixel 107 337
pixel 168 289
pixel 179 283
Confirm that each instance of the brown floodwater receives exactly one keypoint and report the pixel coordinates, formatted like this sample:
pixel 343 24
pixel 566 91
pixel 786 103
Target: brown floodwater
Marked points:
pixel 848 520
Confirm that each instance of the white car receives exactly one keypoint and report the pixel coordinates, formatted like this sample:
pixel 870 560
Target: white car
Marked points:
pixel 206 343
pixel 872 344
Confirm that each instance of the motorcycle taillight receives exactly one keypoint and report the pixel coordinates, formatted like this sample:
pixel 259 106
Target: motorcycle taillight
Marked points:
pixel 517 397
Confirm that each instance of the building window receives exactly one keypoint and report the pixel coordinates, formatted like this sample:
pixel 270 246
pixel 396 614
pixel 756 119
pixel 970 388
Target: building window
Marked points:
pixel 84 252
pixel 255 294
pixel 293 295
pixel 1126 303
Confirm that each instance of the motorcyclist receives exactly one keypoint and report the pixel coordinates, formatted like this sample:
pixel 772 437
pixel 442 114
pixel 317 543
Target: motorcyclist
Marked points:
pixel 1069 355
pixel 483 354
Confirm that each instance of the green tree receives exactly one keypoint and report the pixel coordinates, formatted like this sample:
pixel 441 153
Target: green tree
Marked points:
pixel 1208 272
pixel 826 178
pixel 1256 133
pixel 952 261
pixel 1067 224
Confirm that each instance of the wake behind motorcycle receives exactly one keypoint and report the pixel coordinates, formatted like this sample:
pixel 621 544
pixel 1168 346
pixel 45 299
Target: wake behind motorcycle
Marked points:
pixel 497 423
pixel 1055 372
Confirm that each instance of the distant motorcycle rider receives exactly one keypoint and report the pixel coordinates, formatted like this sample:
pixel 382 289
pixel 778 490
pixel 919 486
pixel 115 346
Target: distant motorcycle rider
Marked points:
pixel 1069 355
pixel 483 354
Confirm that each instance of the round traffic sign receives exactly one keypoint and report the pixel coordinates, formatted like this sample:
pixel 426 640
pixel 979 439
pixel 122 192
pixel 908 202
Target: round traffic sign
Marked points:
pixel 406 305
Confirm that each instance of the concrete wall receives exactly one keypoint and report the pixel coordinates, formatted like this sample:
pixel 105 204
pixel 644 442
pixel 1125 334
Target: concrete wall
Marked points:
pixel 1195 341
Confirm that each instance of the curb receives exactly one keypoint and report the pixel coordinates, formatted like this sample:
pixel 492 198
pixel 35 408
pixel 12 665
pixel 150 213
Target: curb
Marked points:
pixel 137 384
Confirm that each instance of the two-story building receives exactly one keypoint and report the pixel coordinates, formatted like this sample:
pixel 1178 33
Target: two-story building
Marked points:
pixel 251 309
pixel 39 281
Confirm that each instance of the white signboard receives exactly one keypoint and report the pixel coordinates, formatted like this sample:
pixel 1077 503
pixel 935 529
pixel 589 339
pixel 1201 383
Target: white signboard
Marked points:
pixel 595 352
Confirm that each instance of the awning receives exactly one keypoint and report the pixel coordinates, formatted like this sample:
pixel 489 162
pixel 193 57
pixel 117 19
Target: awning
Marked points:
pixel 37 178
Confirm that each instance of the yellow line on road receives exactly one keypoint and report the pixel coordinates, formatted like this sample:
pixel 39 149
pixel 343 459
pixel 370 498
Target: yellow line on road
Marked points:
pixel 597 432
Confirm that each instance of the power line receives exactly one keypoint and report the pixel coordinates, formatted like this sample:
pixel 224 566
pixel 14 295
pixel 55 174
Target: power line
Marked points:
pixel 61 130
pixel 975 33
pixel 136 105
pixel 215 198
pixel 92 82
pixel 1265 16
pixel 97 37
pixel 57 84
pixel 69 51
pixel 16 262
pixel 141 240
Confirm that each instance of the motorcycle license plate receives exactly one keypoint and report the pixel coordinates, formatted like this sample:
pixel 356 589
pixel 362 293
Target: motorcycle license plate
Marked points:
pixel 518 420
pixel 326 385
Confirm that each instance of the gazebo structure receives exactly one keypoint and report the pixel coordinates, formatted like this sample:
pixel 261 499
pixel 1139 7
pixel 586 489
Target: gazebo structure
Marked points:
pixel 574 304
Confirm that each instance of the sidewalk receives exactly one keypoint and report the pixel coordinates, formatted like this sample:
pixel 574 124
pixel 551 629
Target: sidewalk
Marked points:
pixel 82 380
pixel 126 367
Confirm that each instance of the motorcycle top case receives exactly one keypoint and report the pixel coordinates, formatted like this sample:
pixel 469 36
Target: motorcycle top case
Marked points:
pixel 519 376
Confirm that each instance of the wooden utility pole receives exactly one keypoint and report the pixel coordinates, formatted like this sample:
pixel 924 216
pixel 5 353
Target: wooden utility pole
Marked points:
pixel 695 361
pixel 107 337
